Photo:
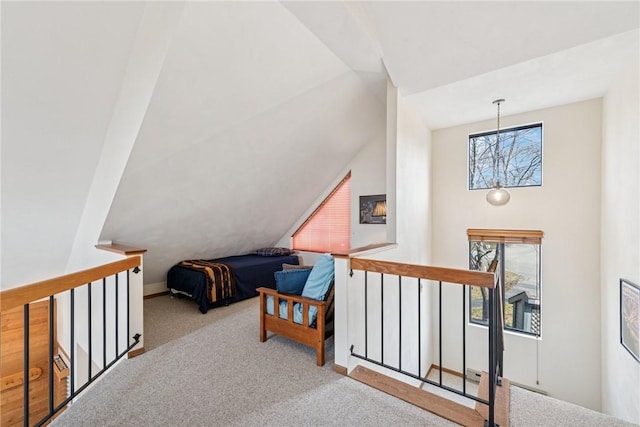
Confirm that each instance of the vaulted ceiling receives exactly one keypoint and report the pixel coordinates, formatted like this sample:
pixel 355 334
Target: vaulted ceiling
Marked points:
pixel 255 107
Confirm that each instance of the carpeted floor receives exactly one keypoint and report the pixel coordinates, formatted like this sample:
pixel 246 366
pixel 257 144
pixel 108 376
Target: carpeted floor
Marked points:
pixel 209 370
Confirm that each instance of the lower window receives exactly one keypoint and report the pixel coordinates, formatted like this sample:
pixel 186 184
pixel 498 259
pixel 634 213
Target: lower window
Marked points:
pixel 520 278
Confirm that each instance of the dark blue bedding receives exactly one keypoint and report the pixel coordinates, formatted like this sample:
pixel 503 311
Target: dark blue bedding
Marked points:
pixel 251 271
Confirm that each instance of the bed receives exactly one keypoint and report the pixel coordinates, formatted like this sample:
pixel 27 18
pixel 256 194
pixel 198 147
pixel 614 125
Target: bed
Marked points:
pixel 249 271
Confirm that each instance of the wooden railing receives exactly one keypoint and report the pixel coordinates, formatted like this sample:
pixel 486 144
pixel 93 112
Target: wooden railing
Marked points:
pixel 464 278
pixel 22 295
pixel 53 359
pixel 438 274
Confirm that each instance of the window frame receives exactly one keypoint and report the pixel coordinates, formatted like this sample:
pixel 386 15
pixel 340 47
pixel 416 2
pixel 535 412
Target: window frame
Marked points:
pixel 507 129
pixel 500 238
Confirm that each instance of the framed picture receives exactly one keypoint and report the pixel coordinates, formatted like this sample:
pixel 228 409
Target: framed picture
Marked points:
pixel 373 209
pixel 630 317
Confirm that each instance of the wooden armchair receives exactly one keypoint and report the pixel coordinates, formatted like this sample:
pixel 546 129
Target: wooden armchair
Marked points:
pixel 313 335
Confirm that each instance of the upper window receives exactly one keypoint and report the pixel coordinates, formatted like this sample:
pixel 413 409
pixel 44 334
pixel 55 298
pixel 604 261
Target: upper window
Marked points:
pixel 515 162
pixel 519 252
pixel 328 228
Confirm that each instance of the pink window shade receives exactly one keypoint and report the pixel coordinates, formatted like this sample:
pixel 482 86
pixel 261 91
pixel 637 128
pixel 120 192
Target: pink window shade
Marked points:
pixel 328 228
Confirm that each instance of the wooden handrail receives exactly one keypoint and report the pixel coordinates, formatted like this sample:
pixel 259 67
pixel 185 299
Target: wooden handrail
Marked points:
pixel 26 294
pixel 351 253
pixel 449 275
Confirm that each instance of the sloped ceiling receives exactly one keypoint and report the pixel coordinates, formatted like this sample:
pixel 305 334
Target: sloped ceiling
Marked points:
pixel 60 78
pixel 433 43
pixel 451 59
pixel 258 107
pixel 251 119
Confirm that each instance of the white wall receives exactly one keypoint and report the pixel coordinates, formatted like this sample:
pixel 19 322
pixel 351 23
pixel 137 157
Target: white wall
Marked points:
pixel 148 53
pixel 145 62
pixel 620 250
pixel 413 184
pixel 67 105
pixel 155 31
pixel 367 177
pixel 392 153
pixel 409 183
pixel 61 76
pixel 567 209
pixel 410 146
pixel 408 141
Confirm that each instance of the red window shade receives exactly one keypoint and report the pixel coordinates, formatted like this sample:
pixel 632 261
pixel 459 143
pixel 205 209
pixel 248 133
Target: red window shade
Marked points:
pixel 328 228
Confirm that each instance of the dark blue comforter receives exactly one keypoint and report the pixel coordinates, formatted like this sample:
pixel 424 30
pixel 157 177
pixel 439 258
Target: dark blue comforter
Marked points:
pixel 251 271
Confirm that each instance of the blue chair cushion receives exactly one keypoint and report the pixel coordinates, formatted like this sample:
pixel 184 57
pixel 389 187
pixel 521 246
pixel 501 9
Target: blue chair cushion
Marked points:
pixel 291 281
pixel 282 309
pixel 318 282
pixel 320 278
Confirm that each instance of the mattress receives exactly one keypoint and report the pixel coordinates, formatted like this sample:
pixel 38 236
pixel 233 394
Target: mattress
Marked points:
pixel 251 271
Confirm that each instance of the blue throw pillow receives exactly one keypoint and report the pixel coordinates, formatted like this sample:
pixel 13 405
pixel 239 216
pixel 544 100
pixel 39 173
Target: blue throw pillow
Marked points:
pixel 291 281
pixel 320 278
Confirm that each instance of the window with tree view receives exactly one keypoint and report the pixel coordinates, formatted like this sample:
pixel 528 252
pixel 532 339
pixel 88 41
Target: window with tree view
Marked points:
pixel 514 161
pixel 520 280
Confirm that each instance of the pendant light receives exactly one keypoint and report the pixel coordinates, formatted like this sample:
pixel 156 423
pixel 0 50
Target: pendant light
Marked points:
pixel 497 196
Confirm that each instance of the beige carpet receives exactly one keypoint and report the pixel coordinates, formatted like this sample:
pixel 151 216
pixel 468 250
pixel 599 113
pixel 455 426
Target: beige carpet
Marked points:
pixel 209 370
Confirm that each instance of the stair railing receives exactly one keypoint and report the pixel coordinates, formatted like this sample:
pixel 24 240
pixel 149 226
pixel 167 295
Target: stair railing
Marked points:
pixel 427 274
pixel 68 286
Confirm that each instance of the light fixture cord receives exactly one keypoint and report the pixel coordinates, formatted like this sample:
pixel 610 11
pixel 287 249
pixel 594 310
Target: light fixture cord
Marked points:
pixel 496 178
pixel 538 278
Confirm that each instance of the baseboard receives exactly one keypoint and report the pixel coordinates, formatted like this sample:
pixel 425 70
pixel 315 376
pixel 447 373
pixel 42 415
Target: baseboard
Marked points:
pixel 154 288
pixel 155 295
pixel 340 369
pixel 428 401
pixel 435 367
pixel 136 352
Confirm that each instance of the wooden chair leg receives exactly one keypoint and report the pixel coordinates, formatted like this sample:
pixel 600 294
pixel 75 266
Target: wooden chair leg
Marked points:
pixel 320 336
pixel 263 310
pixel 320 347
pixel 320 355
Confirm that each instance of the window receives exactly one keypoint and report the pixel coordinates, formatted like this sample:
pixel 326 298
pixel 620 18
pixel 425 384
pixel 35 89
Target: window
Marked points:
pixel 328 228
pixel 519 252
pixel 516 161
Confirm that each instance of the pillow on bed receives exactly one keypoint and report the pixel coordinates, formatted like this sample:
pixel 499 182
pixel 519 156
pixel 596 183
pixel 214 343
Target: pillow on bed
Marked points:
pixel 296 267
pixel 274 251
pixel 291 281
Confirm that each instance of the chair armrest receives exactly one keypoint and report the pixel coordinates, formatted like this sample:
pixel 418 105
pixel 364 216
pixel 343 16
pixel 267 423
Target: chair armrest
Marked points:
pixel 292 297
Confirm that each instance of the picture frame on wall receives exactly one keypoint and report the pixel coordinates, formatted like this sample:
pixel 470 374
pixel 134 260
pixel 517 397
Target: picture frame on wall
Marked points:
pixel 630 317
pixel 373 209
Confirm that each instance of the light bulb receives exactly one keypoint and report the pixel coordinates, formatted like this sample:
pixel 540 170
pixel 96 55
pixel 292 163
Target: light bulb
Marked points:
pixel 498 196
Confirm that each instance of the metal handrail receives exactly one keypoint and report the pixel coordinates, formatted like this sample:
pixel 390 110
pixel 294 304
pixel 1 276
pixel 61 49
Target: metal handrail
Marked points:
pixel 52 288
